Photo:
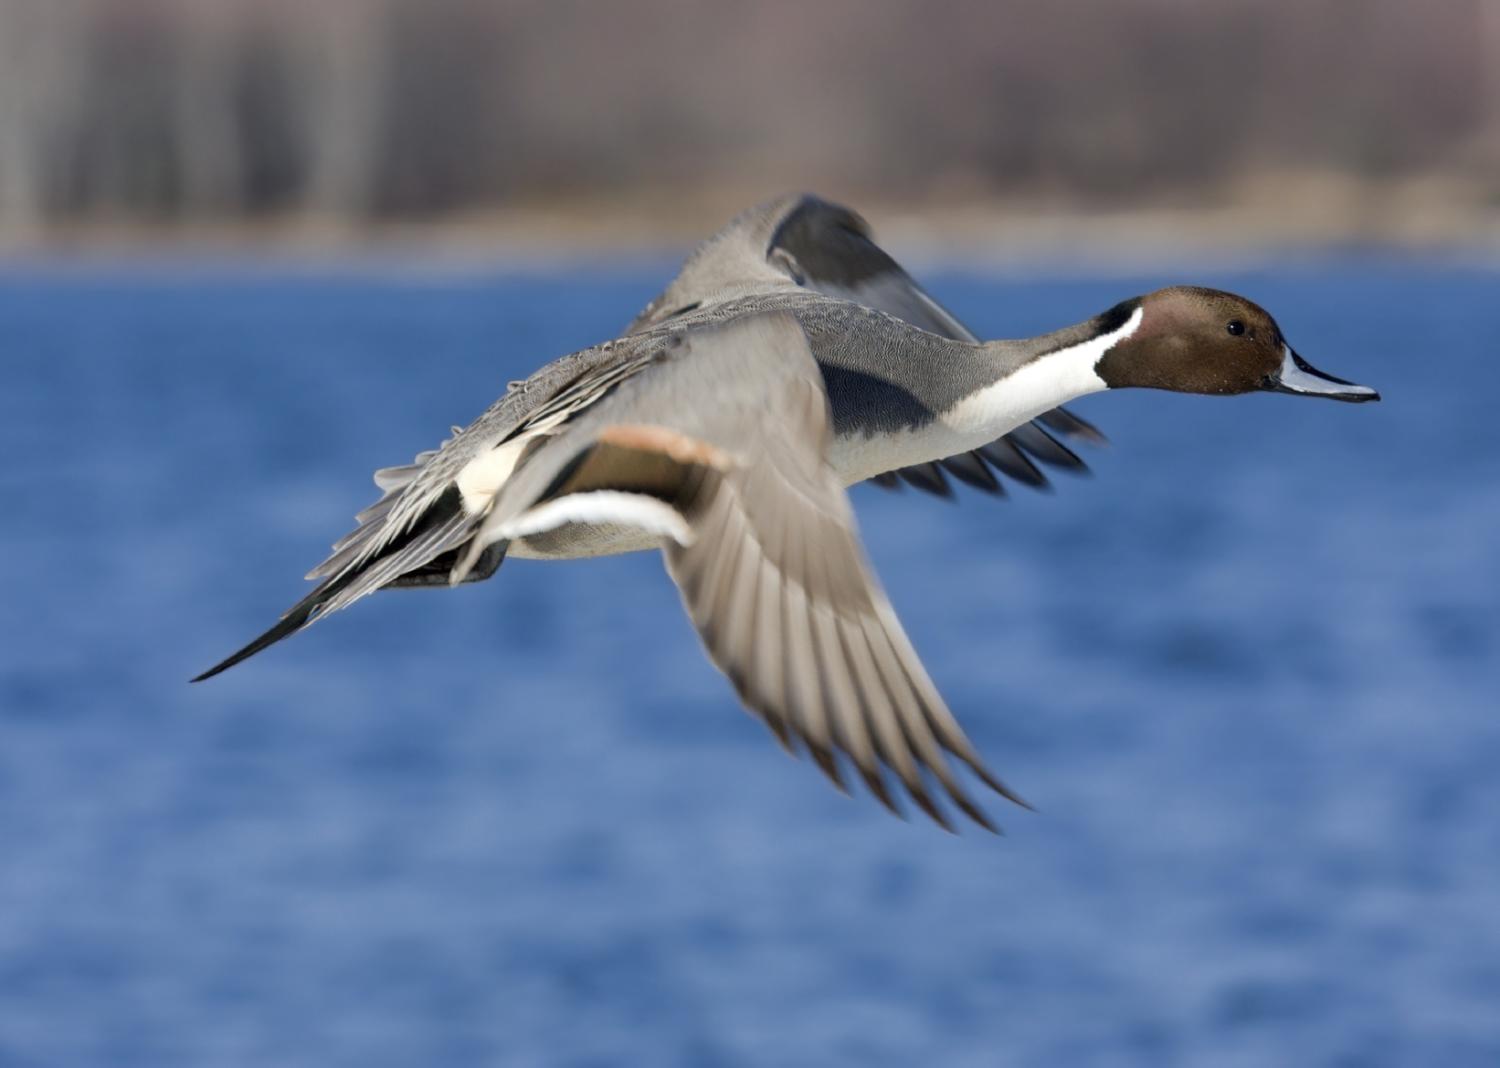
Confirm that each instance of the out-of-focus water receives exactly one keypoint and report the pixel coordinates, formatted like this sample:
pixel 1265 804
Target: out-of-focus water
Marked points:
pixel 1247 673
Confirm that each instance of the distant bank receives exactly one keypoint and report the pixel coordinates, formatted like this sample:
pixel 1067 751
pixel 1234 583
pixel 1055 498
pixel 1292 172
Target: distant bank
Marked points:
pixel 1270 216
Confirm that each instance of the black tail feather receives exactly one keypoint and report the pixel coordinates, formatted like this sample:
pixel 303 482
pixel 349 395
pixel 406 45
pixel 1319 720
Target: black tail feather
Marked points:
pixel 414 552
pixel 298 616
pixel 437 571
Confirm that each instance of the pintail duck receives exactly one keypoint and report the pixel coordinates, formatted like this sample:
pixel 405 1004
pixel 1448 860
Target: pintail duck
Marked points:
pixel 724 435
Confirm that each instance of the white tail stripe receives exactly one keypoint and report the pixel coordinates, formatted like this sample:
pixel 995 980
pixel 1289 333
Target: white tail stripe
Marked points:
pixel 603 508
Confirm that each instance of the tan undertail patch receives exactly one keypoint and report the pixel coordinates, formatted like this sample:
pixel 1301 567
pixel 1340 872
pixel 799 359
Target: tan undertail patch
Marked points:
pixel 676 446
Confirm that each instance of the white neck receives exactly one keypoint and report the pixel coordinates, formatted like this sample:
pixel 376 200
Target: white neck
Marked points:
pixel 1039 386
pixel 986 414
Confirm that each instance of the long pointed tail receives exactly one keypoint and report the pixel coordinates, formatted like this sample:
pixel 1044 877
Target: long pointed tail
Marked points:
pixel 294 619
pixel 412 560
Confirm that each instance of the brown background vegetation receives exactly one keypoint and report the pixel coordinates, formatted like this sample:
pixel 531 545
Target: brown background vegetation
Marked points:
pixel 343 116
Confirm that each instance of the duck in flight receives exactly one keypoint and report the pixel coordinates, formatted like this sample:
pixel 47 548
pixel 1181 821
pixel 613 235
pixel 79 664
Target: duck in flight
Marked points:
pixel 723 429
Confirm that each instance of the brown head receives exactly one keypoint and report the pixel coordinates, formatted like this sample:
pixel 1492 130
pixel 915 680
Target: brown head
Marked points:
pixel 1193 340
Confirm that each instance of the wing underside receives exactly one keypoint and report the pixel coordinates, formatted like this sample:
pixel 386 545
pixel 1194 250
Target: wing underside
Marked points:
pixel 759 536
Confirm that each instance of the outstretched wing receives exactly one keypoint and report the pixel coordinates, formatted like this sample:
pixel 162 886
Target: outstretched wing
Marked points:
pixel 805 241
pixel 723 458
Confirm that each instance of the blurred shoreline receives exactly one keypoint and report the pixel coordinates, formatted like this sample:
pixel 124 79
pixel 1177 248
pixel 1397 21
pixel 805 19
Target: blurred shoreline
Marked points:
pixel 1272 219
pixel 1114 130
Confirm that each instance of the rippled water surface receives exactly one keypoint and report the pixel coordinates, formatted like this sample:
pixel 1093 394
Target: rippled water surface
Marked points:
pixel 1247 674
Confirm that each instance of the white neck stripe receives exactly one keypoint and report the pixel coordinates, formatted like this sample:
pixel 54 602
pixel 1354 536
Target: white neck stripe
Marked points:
pixel 1037 387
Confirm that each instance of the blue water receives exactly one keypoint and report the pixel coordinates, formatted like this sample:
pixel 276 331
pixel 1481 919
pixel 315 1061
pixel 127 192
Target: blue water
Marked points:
pixel 1248 674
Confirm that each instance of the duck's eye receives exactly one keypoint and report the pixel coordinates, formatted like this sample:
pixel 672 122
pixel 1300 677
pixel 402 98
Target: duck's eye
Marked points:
pixel 1236 328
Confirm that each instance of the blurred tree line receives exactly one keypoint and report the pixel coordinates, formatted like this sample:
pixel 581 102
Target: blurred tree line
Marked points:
pixel 354 111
